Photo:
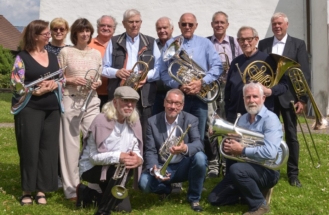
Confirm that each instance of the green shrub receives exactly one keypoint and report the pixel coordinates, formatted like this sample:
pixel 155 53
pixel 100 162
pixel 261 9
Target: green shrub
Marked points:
pixel 6 64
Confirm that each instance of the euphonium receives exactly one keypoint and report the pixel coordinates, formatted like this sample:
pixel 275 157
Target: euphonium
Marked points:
pixel 164 152
pixel 188 70
pixel 136 77
pixel 249 139
pixel 119 191
pixel 263 73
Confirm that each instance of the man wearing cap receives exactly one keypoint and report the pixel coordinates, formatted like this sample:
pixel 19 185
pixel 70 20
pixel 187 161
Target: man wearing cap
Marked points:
pixel 114 137
pixel 189 162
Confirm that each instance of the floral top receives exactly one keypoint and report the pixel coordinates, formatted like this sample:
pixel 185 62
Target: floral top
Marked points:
pixel 54 49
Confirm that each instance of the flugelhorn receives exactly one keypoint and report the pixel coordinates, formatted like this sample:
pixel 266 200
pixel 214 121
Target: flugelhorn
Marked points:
pixel 164 152
pixel 22 89
pixel 249 139
pixel 119 191
pixel 188 70
pixel 136 77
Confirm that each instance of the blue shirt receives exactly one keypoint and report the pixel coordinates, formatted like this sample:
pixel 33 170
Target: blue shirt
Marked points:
pixel 132 46
pixel 202 51
pixel 268 124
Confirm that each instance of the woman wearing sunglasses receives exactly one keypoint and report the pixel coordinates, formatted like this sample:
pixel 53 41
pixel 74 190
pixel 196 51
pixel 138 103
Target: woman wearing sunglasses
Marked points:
pixel 58 28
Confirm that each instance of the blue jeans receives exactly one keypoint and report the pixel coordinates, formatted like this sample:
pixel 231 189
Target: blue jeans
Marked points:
pixel 199 109
pixel 191 169
pixel 246 181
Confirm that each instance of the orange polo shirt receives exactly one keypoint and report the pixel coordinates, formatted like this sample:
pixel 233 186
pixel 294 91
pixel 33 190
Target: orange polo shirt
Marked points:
pixel 102 90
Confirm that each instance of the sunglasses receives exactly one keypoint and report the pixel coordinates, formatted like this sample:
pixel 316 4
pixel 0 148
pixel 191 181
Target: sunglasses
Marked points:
pixel 60 29
pixel 190 25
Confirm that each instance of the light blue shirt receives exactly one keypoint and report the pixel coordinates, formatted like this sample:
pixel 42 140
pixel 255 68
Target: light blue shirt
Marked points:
pixel 132 49
pixel 202 51
pixel 268 124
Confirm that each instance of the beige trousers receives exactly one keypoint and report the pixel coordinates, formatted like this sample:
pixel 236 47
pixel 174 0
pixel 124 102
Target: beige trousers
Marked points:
pixel 73 121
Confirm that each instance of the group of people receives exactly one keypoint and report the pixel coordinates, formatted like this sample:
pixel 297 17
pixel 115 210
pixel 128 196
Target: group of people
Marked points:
pixel 122 128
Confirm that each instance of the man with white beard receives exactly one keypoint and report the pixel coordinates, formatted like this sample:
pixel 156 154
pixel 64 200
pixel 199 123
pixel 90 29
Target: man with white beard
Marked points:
pixel 247 181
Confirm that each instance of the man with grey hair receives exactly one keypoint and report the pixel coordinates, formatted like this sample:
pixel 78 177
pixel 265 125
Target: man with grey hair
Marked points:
pixel 123 52
pixel 106 26
pixel 246 181
pixel 283 44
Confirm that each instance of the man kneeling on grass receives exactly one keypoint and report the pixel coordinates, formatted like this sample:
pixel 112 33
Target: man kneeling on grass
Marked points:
pixel 114 137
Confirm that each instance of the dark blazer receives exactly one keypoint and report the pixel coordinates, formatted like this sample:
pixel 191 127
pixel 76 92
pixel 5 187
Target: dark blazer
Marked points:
pixel 156 135
pixel 294 49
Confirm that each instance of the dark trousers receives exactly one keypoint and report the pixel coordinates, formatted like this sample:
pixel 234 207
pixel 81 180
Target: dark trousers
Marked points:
pixel 244 181
pixel 108 202
pixel 144 114
pixel 104 99
pixel 37 136
pixel 158 103
pixel 290 131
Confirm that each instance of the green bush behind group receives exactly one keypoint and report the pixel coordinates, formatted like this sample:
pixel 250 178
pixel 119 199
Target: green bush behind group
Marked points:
pixel 6 64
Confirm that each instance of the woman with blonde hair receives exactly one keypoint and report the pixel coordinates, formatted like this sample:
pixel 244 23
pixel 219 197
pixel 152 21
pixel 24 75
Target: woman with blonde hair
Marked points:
pixel 59 28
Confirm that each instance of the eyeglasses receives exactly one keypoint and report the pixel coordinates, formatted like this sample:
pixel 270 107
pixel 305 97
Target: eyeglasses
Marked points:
pixel 248 39
pixel 45 34
pixel 60 29
pixel 126 101
pixel 177 104
pixel 190 25
pixel 104 25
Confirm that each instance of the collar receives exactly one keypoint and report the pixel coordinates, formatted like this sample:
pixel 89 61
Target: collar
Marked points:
pixel 214 39
pixel 188 39
pixel 132 40
pixel 260 114
pixel 252 54
pixel 174 123
pixel 284 40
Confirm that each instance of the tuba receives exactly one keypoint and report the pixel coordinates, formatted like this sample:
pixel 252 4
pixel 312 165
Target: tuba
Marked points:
pixel 263 73
pixel 188 70
pixel 164 150
pixel 248 139
pixel 136 77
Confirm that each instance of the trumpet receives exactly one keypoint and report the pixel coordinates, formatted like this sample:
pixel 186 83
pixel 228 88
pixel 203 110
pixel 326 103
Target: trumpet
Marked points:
pixel 248 139
pixel 86 98
pixel 136 77
pixel 119 191
pixel 188 70
pixel 22 89
pixel 164 150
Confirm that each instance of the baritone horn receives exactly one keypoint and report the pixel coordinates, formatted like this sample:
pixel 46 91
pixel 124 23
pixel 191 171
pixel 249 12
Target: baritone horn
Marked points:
pixel 136 77
pixel 188 70
pixel 262 72
pixel 164 151
pixel 247 138
pixel 119 191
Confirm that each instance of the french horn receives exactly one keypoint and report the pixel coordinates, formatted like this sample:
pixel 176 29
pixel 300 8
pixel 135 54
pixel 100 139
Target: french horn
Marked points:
pixel 188 70
pixel 247 138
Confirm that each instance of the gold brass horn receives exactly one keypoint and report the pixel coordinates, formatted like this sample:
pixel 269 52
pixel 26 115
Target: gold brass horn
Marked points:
pixel 164 152
pixel 188 70
pixel 263 73
pixel 136 77
pixel 249 139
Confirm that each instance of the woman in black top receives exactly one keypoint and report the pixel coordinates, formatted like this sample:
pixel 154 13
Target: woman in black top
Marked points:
pixel 37 114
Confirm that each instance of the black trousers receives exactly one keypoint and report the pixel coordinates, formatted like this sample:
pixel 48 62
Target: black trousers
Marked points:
pixel 144 114
pixel 108 202
pixel 290 131
pixel 37 136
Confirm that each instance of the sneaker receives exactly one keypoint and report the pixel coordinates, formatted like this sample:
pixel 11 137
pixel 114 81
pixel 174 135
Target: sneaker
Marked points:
pixel 196 206
pixel 262 210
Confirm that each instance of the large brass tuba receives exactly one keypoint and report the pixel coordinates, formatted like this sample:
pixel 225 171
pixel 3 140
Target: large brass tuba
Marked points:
pixel 248 139
pixel 164 152
pixel 263 73
pixel 136 77
pixel 188 70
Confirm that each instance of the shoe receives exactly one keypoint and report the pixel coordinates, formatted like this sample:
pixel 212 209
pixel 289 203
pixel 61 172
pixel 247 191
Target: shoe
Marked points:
pixel 262 210
pixel 37 198
pixel 293 181
pixel 176 187
pixel 26 203
pixel 196 206
pixel 213 169
pixel 80 197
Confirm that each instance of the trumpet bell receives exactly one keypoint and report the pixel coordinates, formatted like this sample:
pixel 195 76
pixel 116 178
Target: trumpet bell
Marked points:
pixel 119 192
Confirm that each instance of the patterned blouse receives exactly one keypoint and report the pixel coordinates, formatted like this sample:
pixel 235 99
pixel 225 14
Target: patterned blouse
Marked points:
pixel 54 49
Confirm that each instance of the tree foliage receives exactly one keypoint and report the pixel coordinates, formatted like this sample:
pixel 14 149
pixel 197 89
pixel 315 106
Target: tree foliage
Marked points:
pixel 6 64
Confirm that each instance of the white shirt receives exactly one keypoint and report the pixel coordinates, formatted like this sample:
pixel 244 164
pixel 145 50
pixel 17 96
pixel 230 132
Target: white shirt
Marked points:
pixel 278 45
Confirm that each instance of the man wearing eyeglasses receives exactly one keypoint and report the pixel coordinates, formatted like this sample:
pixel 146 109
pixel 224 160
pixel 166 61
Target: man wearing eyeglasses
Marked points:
pixel 248 39
pixel 123 52
pixel 105 29
pixel 189 162
pixel 283 44
pixel 201 51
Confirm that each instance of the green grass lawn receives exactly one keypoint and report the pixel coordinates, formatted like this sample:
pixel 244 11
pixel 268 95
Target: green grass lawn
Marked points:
pixel 312 198
pixel 5 104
